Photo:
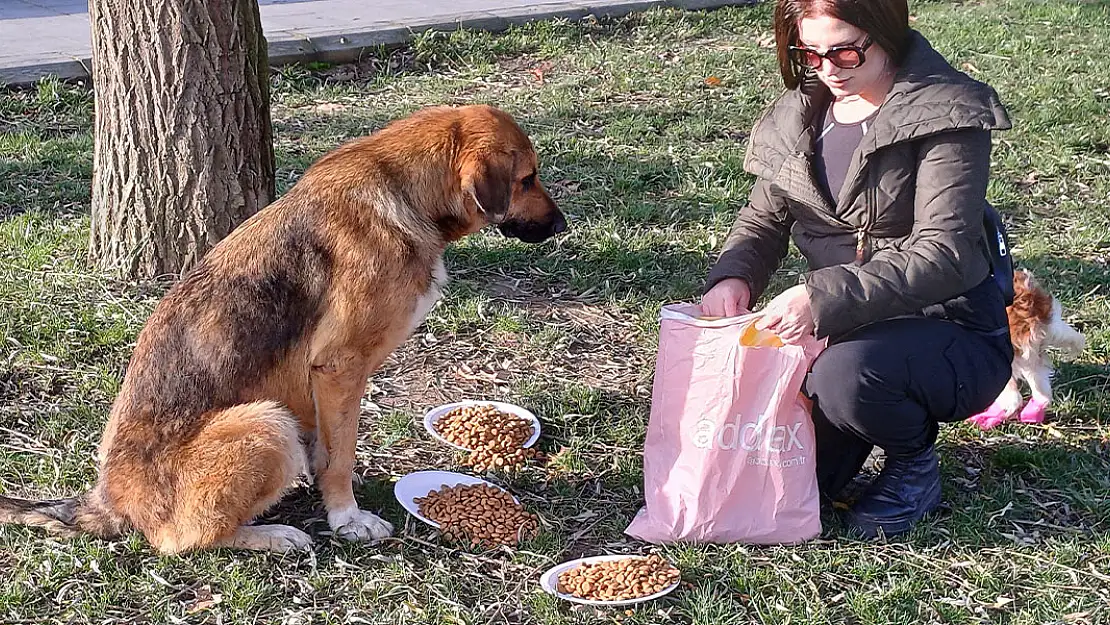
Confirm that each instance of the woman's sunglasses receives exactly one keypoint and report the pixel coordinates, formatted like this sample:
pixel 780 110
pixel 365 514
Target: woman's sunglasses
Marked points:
pixel 844 57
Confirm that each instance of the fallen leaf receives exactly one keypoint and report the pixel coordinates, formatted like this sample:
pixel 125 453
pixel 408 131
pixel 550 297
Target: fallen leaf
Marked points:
pixel 584 516
pixel 329 107
pixel 669 58
pixel 1001 513
pixel 204 600
pixel 539 72
pixel 713 81
pixel 342 76
pixel 1029 180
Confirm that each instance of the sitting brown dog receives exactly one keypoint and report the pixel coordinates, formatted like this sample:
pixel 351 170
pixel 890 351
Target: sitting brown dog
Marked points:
pixel 272 336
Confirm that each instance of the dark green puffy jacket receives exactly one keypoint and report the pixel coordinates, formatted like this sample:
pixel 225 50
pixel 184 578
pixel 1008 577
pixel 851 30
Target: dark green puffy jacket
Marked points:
pixel 906 235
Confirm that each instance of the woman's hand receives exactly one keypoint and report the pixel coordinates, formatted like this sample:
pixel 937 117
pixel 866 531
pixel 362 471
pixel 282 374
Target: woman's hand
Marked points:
pixel 728 298
pixel 788 315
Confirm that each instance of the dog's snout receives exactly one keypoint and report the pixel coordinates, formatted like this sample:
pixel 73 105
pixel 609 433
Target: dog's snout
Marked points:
pixel 560 225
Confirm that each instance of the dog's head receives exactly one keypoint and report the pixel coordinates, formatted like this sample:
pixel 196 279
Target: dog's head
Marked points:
pixel 1037 319
pixel 499 177
pixel 1030 314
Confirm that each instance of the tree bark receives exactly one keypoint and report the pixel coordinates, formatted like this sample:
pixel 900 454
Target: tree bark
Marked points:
pixel 183 142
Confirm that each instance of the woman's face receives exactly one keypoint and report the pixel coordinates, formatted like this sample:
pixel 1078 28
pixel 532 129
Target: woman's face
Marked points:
pixel 823 32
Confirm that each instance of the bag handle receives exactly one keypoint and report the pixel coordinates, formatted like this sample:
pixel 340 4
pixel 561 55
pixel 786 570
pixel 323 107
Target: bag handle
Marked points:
pixel 691 314
pixel 750 336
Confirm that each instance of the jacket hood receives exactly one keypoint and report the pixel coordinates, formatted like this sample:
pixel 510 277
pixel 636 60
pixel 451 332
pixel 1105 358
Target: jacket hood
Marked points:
pixel 928 96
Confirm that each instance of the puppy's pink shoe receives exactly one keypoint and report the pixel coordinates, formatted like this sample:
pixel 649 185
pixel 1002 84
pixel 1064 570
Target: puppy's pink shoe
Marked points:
pixel 992 417
pixel 1033 412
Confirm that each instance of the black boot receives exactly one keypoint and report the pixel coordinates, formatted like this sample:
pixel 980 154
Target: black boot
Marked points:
pixel 906 490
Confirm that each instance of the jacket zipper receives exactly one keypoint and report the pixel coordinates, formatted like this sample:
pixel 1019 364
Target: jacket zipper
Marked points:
pixel 829 212
pixel 864 230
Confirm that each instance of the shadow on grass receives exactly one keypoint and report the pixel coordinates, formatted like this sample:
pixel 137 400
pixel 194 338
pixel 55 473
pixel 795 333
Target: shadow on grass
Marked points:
pixel 1066 277
pixel 53 180
pixel 1010 491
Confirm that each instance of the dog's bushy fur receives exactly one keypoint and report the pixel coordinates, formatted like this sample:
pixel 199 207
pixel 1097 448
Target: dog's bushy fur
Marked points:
pixel 1036 324
pixel 270 339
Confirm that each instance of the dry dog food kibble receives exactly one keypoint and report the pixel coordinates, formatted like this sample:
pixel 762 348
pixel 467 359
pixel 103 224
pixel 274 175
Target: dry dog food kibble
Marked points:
pixel 479 514
pixel 496 438
pixel 617 580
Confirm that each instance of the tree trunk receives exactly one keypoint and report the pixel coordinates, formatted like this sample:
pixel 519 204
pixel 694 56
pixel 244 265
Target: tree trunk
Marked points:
pixel 184 148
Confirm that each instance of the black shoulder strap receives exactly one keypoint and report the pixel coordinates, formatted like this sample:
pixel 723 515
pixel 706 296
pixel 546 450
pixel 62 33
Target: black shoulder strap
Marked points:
pixel 1002 265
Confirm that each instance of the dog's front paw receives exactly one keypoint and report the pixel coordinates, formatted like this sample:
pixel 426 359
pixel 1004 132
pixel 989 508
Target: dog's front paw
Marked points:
pixel 358 525
pixel 1010 404
pixel 990 418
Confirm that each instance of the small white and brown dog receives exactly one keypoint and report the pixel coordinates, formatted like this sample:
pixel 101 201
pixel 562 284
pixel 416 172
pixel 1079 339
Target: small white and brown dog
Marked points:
pixel 1036 323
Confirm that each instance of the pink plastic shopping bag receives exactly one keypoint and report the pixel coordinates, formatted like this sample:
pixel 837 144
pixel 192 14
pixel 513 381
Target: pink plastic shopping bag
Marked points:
pixel 729 454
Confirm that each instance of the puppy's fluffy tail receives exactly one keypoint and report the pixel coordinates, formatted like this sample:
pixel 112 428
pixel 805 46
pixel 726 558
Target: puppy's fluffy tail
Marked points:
pixel 1061 335
pixel 86 514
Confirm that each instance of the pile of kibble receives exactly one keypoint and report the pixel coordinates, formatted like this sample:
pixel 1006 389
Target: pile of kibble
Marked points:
pixel 480 514
pixel 618 580
pixel 495 438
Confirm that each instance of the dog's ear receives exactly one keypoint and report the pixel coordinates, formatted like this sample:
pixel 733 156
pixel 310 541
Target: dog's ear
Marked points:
pixel 490 182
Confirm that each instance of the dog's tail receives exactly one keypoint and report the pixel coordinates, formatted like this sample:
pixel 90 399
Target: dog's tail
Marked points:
pixel 86 514
pixel 1061 335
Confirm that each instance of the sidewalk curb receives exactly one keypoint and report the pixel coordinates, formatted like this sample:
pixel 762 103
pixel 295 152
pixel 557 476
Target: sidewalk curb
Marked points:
pixel 341 47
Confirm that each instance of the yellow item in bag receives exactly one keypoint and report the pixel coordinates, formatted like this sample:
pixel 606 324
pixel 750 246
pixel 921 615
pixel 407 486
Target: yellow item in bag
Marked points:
pixel 754 337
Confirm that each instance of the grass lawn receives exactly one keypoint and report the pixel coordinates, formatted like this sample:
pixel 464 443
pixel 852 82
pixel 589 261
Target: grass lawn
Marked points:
pixel 641 124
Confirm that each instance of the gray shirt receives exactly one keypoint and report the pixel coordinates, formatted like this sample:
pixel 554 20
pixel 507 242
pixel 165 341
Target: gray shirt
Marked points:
pixel 835 145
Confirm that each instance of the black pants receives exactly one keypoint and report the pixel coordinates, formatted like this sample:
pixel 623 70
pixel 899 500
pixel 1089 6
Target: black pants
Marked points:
pixel 890 384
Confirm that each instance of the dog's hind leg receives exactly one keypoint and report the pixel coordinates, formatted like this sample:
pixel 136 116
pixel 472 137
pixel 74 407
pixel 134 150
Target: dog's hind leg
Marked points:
pixel 1040 383
pixel 278 538
pixel 239 464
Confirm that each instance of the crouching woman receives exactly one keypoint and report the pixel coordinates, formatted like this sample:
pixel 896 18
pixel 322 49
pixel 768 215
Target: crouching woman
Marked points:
pixel 875 161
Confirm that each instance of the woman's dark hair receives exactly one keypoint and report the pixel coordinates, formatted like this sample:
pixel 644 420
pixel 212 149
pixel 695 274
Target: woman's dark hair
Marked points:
pixel 886 21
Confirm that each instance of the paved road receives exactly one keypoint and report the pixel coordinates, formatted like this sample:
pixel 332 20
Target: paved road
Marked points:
pixel 42 37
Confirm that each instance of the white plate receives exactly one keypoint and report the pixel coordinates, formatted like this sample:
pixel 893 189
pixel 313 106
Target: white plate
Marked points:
pixel 419 484
pixel 434 415
pixel 550 582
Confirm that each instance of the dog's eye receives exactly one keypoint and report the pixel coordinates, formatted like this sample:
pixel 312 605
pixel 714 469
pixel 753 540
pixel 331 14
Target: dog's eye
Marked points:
pixel 528 182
